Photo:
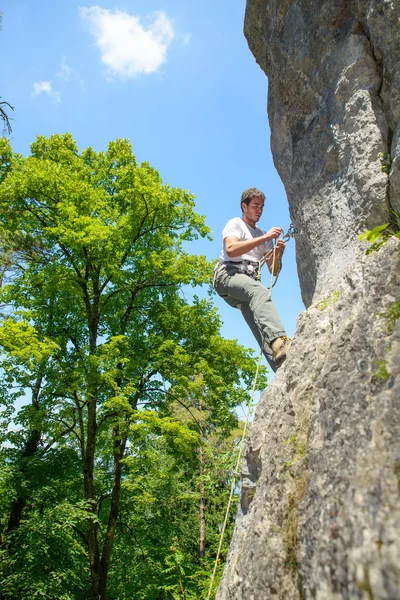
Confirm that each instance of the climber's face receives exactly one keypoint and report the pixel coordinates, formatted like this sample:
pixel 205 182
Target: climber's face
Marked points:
pixel 253 210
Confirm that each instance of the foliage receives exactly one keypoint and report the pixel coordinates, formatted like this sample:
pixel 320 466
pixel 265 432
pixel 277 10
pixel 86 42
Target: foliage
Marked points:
pixel 380 371
pixel 377 237
pixel 386 162
pixel 381 234
pixel 392 314
pixel 161 513
pixel 104 364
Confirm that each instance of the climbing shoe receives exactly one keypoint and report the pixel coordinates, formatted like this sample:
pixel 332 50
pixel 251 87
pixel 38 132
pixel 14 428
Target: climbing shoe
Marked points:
pixel 280 347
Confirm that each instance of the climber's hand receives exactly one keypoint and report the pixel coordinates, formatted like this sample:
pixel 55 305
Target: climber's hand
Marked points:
pixel 273 233
pixel 280 247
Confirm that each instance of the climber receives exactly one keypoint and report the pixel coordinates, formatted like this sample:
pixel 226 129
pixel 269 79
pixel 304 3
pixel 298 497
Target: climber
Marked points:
pixel 235 275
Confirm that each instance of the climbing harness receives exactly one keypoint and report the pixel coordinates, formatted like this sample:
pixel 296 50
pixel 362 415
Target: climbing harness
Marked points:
pixel 236 475
pixel 253 268
pixel 247 267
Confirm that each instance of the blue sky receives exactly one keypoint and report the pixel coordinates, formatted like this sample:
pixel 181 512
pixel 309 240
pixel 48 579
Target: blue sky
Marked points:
pixel 177 79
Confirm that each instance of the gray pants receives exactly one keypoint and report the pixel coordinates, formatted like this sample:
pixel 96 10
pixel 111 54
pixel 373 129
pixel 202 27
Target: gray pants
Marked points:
pixel 254 301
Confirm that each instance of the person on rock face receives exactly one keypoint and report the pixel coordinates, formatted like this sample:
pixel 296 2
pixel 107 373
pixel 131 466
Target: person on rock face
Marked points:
pixel 244 244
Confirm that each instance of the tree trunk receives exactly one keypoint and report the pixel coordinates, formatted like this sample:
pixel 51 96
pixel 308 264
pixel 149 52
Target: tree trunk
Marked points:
pixel 119 450
pixel 202 515
pixel 202 552
pixel 93 544
pixel 31 447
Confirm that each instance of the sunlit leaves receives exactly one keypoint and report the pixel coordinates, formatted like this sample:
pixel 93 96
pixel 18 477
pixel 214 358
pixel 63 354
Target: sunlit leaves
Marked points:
pixel 111 362
pixel 21 341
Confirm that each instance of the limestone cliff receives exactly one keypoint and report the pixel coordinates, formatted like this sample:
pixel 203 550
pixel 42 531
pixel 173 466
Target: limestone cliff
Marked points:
pixel 334 107
pixel 320 505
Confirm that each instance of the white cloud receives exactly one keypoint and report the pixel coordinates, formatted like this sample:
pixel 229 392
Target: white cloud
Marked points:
pixel 45 87
pixel 68 74
pixel 65 71
pixel 41 86
pixel 126 46
pixel 186 38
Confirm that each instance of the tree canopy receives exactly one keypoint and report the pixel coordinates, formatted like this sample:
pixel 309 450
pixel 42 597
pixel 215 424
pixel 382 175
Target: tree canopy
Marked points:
pixel 110 365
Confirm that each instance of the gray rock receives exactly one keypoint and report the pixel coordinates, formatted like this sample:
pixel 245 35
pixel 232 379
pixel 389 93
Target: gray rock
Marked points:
pixel 319 516
pixel 333 107
pixel 320 506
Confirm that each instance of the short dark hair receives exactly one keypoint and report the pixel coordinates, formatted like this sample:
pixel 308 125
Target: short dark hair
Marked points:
pixel 249 194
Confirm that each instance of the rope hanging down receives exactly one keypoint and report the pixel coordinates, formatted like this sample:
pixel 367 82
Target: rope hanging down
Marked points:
pixel 235 476
pixel 286 237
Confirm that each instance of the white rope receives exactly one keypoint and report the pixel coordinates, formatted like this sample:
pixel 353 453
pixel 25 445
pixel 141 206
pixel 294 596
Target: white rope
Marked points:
pixel 235 475
pixel 239 458
pixel 262 262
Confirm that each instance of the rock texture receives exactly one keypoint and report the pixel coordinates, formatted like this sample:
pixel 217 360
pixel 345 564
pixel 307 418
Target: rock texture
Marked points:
pixel 334 108
pixel 320 503
pixel 320 506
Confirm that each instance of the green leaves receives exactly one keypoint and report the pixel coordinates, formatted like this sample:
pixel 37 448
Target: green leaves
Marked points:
pixel 21 342
pixel 377 236
pixel 149 423
pixel 123 380
pixel 373 234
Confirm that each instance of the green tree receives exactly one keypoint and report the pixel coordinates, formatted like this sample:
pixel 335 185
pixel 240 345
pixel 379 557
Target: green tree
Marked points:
pixel 96 331
pixel 158 541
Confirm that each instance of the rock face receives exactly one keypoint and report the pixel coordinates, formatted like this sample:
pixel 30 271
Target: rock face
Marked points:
pixel 334 107
pixel 320 506
pixel 320 503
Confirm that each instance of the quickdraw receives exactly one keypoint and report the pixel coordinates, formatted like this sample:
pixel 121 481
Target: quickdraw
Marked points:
pixel 291 232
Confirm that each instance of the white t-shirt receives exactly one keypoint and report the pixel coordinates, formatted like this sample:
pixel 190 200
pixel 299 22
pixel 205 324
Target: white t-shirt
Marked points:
pixel 236 227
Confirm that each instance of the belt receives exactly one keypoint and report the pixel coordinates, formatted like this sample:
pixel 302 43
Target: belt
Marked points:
pixel 247 267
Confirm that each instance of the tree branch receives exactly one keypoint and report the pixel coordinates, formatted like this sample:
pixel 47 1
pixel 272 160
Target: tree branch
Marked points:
pixel 5 117
pixel 100 501
pixel 68 429
pixel 168 393
pixel 141 386
pixel 80 533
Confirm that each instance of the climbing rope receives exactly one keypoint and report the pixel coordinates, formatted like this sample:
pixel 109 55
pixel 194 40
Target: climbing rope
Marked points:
pixel 286 237
pixel 235 476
